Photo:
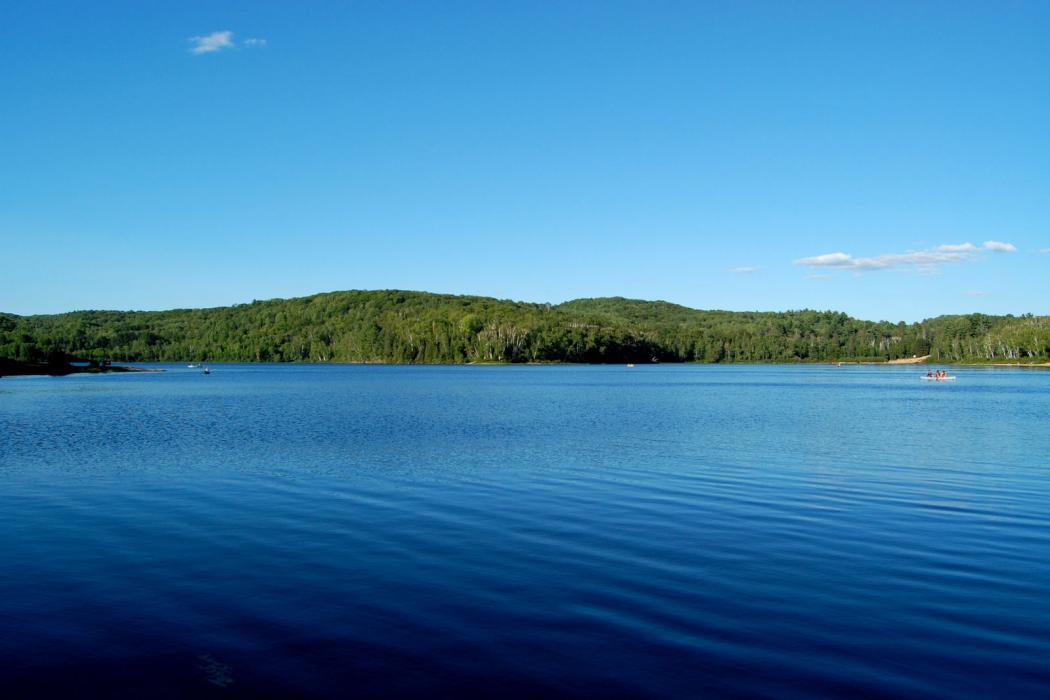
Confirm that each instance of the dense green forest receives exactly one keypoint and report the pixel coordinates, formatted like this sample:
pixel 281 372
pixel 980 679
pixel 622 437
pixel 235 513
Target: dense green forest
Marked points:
pixel 417 327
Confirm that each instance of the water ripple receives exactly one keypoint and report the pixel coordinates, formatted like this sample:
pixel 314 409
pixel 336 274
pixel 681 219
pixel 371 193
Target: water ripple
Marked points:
pixel 523 532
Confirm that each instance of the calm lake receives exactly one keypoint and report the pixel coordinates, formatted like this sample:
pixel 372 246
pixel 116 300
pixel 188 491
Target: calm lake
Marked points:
pixel 525 532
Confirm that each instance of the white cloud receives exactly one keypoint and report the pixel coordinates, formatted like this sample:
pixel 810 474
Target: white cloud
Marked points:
pixel 958 248
pixel 925 261
pixel 220 41
pixel 216 41
pixel 1044 251
pixel 827 260
pixel 744 270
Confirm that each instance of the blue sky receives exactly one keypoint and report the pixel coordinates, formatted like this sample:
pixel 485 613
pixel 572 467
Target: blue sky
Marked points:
pixel 890 160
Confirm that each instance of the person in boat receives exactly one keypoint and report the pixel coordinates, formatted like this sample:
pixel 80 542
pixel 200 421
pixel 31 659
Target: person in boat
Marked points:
pixel 929 373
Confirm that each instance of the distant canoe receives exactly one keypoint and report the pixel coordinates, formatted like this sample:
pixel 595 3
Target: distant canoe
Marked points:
pixel 950 378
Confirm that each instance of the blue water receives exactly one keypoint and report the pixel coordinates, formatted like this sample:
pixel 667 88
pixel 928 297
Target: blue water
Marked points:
pixel 518 532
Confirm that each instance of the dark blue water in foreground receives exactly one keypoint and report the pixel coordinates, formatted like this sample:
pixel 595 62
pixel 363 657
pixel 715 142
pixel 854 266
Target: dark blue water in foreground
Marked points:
pixel 506 532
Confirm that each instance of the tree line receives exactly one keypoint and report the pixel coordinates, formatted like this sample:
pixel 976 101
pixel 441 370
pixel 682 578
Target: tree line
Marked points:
pixel 418 327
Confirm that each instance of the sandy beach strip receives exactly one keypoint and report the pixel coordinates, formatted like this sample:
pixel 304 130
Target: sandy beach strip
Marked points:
pixel 908 360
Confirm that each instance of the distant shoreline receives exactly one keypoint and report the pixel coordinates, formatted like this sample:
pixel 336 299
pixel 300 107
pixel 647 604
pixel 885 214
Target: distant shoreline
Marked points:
pixel 909 360
pixel 399 326
pixel 16 368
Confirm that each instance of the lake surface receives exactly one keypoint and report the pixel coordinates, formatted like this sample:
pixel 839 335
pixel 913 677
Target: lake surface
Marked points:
pixel 517 532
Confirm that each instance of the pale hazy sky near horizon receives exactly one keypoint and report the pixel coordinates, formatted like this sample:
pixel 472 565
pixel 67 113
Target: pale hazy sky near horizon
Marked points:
pixel 887 159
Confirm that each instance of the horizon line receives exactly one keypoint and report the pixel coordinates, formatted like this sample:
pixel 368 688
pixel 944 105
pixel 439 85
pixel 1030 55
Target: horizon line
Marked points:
pixel 501 299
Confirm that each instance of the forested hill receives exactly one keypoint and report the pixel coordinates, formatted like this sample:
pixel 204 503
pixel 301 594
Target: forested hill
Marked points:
pixel 397 326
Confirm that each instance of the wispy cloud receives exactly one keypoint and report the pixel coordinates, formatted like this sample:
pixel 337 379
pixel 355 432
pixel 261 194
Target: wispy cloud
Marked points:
pixel 221 41
pixel 210 43
pixel 978 293
pixel 743 270
pixel 959 248
pixel 1044 251
pixel 920 260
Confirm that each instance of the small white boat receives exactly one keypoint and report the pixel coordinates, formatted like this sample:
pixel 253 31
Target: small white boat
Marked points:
pixel 192 366
pixel 946 378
